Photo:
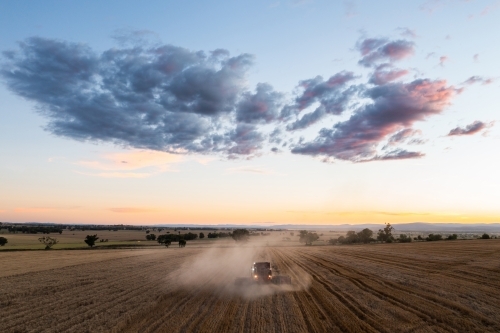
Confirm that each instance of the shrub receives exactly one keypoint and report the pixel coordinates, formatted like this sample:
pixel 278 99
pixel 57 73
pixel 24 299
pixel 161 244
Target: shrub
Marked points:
pixel 3 241
pixel 90 240
pixel 485 236
pixel 182 243
pixel 151 237
pixel 48 242
pixel 202 235
pixel 452 237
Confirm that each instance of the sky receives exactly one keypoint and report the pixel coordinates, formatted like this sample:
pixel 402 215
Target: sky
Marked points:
pixel 249 112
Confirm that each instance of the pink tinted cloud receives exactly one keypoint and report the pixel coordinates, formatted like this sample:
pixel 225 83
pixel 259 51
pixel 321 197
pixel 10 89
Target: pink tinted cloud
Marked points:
pixel 375 50
pixel 395 106
pixel 380 77
pixel 478 79
pixel 442 60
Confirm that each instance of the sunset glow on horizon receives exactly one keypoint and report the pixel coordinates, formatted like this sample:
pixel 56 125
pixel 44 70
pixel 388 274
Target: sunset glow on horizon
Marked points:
pixel 236 113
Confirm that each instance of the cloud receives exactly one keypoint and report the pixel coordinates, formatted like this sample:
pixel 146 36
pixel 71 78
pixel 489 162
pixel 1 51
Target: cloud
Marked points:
pixel 402 136
pixel 394 107
pixel 476 57
pixel 132 164
pixel 164 97
pixel 470 129
pixel 442 60
pixel 350 9
pixel 247 140
pixel 333 97
pixel 261 107
pixel 408 33
pixel 375 50
pixel 478 79
pixel 382 76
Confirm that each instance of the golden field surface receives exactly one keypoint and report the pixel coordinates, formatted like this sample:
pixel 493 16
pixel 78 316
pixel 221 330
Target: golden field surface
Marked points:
pixel 447 286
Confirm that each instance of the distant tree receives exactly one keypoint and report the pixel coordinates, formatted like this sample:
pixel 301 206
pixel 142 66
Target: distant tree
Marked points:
pixel 147 231
pixel 189 236
pixel 3 241
pixel 485 236
pixel 332 241
pixel 420 238
pixel 48 242
pixel 202 235
pixel 307 237
pixel 452 237
pixel 365 235
pixel 404 238
pixel 433 237
pixel 90 240
pixel 351 237
pixel 151 237
pixel 60 231
pixel 182 243
pixel 165 239
pixel 240 235
pixel 385 235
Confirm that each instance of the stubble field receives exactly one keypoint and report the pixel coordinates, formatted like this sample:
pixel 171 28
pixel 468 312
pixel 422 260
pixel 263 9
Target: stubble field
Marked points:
pixel 420 287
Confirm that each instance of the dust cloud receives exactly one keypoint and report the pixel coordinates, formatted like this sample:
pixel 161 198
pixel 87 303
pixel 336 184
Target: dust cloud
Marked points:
pixel 217 268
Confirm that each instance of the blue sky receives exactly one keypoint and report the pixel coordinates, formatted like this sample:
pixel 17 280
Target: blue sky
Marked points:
pixel 433 138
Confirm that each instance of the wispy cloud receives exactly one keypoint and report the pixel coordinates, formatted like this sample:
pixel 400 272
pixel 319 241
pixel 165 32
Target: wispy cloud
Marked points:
pixel 133 164
pixel 470 129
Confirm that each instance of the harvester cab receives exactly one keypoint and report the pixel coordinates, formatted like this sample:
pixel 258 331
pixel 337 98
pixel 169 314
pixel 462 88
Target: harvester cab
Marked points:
pixel 262 272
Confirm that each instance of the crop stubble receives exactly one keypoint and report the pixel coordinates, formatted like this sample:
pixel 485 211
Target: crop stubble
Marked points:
pixel 422 287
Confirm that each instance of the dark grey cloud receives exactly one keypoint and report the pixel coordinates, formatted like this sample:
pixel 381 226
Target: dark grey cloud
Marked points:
pixel 394 107
pixel 261 107
pixel 246 140
pixel 470 129
pixel 169 98
pixel 164 97
pixel 333 96
pixel 375 50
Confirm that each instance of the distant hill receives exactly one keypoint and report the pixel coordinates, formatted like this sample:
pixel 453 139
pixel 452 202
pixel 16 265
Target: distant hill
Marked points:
pixel 405 227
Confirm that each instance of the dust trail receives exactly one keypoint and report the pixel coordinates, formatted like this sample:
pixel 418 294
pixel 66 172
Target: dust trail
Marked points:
pixel 216 269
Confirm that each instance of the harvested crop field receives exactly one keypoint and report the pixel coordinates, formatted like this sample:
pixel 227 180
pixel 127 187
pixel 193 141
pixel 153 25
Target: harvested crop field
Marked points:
pixel 420 287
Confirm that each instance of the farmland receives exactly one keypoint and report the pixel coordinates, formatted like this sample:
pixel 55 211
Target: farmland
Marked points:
pixel 417 287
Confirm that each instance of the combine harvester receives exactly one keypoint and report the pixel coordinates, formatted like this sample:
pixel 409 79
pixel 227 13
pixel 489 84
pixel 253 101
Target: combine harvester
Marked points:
pixel 263 273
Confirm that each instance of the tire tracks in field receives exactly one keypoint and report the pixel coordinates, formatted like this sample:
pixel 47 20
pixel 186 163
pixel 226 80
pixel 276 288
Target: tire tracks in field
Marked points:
pixel 396 262
pixel 371 321
pixel 429 310
pixel 90 309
